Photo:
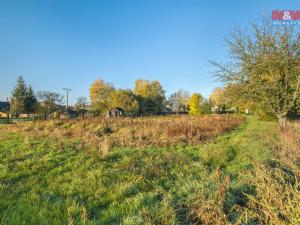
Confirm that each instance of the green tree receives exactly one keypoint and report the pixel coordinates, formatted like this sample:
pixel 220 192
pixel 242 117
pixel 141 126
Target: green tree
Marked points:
pixel 18 96
pixel 150 95
pixel 205 107
pixel 126 100
pixel 265 65
pixel 195 102
pixel 30 100
pixel 100 95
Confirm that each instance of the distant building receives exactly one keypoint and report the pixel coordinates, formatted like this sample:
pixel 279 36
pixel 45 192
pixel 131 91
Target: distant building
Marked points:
pixel 115 112
pixel 63 113
pixel 4 109
pixel 68 114
pixel 4 106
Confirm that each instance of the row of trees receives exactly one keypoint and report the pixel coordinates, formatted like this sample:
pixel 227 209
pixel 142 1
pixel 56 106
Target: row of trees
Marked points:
pixel 147 97
pixel 24 100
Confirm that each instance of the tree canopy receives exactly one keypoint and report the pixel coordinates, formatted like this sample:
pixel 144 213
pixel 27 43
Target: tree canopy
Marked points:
pixel 265 66
pixel 150 95
pixel 195 104
pixel 218 100
pixel 100 95
pixel 49 102
pixel 126 100
pixel 23 99
pixel 179 101
pixel 30 101
pixel 81 106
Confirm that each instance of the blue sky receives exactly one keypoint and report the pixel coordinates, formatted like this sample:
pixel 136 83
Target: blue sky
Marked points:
pixel 60 43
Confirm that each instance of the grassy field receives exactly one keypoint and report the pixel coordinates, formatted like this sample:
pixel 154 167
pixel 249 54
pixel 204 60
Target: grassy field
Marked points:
pixel 158 170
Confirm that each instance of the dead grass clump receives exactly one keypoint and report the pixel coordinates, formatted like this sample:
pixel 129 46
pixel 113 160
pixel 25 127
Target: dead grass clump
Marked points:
pixel 277 198
pixel 208 208
pixel 105 146
pixel 274 198
pixel 277 183
pixel 288 149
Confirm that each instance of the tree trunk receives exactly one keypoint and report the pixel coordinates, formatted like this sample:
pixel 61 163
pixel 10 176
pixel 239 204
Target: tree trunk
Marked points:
pixel 282 121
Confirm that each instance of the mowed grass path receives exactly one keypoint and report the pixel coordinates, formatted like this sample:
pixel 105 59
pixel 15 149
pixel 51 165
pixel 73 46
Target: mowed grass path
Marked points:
pixel 43 184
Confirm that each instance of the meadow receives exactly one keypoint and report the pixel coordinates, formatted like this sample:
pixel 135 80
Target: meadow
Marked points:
pixel 215 169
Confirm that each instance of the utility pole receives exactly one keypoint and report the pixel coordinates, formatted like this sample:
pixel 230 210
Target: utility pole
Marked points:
pixel 8 111
pixel 67 90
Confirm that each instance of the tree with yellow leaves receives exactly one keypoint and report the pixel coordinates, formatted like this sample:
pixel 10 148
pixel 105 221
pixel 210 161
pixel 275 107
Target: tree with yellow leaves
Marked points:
pixel 218 100
pixel 100 95
pixel 195 104
pixel 150 95
pixel 126 100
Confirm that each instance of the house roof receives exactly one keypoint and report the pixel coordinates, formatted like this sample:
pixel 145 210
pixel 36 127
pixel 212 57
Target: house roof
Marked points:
pixel 4 105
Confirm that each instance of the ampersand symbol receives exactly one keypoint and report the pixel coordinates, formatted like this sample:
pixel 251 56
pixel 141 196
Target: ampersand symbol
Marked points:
pixel 286 15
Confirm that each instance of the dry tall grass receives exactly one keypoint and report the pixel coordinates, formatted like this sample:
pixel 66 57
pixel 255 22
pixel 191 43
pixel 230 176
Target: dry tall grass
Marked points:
pixel 133 132
pixel 267 193
pixel 209 208
pixel 277 197
pixel 277 182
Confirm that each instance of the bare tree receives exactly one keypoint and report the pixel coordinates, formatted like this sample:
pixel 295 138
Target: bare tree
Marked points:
pixel 49 102
pixel 81 106
pixel 179 101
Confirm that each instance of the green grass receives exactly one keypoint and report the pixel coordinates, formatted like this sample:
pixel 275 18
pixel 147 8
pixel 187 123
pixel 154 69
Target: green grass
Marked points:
pixel 251 141
pixel 14 120
pixel 43 182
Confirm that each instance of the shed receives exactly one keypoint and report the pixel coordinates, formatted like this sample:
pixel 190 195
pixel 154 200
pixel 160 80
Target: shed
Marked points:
pixel 115 112
pixel 68 114
pixel 63 114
